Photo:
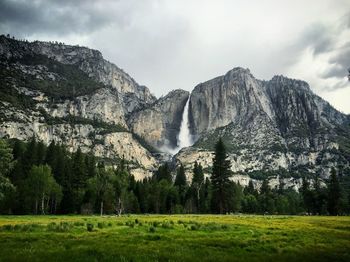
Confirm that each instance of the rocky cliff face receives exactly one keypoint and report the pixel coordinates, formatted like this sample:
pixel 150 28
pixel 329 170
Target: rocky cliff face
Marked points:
pixel 159 124
pixel 73 96
pixel 278 125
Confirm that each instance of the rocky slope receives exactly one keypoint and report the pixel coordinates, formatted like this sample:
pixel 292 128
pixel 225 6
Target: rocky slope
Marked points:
pixel 160 123
pixel 70 94
pixel 73 96
pixel 277 127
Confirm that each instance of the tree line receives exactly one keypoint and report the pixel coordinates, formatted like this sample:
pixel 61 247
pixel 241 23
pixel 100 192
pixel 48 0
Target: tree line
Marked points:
pixel 39 179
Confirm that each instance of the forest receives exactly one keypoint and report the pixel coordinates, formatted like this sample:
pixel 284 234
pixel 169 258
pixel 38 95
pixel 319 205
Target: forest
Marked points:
pixel 40 179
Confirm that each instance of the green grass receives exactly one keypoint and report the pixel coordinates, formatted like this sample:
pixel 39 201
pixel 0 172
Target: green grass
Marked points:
pixel 175 238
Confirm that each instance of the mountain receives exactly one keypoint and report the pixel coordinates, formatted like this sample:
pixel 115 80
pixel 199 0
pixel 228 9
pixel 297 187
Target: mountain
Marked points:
pixel 72 95
pixel 270 127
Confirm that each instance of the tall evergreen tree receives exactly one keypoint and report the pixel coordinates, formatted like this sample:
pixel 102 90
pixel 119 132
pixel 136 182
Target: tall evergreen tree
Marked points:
pixel 30 156
pixel 319 197
pixel 266 201
pixel 198 185
pixel 163 172
pixel 250 189
pixel 307 195
pixel 334 194
pixel 181 184
pixel 6 158
pixel 220 179
pixel 79 181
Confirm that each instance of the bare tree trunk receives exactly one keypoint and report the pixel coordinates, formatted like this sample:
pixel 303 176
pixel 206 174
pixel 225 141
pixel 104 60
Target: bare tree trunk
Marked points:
pixel 43 204
pixel 36 206
pixel 47 205
pixel 197 204
pixel 101 208
pixel 119 207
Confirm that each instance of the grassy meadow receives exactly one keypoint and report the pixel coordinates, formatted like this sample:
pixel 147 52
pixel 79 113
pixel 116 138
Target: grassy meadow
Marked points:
pixel 174 238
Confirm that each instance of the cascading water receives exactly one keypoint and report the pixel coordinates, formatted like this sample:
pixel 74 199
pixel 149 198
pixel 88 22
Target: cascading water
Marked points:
pixel 184 137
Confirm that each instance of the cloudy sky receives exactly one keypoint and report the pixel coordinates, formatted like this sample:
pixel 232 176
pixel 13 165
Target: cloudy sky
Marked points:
pixel 177 44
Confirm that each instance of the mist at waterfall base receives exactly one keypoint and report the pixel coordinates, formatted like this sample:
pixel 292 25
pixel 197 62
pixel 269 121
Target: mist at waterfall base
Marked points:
pixel 184 138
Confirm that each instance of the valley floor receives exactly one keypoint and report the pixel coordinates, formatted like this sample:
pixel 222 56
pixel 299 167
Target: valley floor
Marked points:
pixel 175 238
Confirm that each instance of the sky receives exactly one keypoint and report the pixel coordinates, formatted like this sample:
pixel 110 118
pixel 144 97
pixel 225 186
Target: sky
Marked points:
pixel 178 44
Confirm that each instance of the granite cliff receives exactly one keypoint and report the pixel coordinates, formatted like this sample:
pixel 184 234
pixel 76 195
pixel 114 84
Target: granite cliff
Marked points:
pixel 72 95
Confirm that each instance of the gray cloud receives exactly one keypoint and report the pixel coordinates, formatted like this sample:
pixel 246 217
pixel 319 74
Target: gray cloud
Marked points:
pixel 339 63
pixel 52 17
pixel 167 44
pixel 323 39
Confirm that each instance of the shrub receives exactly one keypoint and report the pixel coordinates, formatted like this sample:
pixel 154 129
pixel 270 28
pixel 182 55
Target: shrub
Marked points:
pixel 6 228
pixel 130 223
pixel 152 229
pixel 194 227
pixel 89 227
pixel 166 225
pixel 100 225
pixel 61 227
pixel 51 226
pixel 224 227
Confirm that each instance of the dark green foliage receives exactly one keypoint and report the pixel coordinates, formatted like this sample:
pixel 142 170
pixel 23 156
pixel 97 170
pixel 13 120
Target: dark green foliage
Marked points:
pixel 6 164
pixel 163 172
pixel 89 227
pixel 81 184
pixel 181 184
pixel 334 194
pixel 71 82
pixel 197 190
pixel 220 179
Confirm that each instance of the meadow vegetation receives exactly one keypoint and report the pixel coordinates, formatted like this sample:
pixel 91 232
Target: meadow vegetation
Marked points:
pixel 174 237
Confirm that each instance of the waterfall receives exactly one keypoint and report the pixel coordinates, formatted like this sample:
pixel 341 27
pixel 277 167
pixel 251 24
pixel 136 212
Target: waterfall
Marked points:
pixel 184 137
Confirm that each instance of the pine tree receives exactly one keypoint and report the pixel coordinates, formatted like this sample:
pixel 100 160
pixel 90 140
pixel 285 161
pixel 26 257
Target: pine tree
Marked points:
pixel 40 157
pixel 50 155
pixel 220 179
pixel 266 200
pixel 163 172
pixel 6 157
pixel 181 184
pixel 250 189
pixel 307 195
pixel 319 195
pixel 198 185
pixel 30 156
pixel 79 180
pixel 334 194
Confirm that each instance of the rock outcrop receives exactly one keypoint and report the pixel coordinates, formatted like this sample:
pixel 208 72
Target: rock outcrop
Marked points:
pixel 268 126
pixel 160 123
pixel 71 95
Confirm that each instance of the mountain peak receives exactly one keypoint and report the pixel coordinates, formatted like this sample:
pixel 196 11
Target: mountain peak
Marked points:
pixel 281 80
pixel 238 71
